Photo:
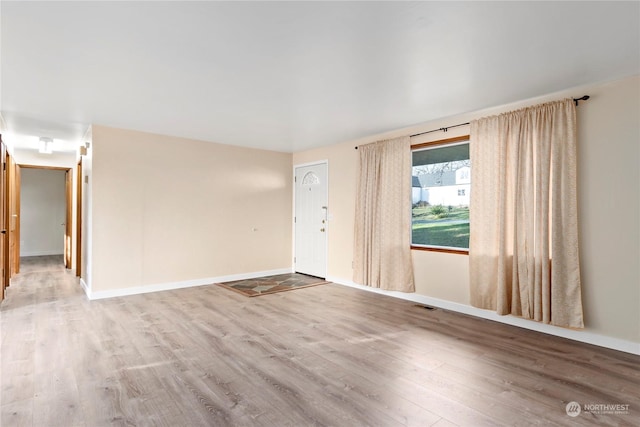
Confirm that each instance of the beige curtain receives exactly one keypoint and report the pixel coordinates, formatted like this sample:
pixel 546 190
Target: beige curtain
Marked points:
pixel 382 249
pixel 523 248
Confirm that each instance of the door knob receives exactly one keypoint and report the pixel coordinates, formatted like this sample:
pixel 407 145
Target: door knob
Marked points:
pixel 322 229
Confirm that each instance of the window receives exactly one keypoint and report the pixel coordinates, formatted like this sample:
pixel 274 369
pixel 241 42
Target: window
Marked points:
pixel 440 195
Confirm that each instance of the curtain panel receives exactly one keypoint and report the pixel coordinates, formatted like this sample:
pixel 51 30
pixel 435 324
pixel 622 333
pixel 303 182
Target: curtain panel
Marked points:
pixel 382 244
pixel 523 249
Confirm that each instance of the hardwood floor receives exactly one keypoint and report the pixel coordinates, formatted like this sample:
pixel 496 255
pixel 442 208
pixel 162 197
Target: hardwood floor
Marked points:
pixel 321 356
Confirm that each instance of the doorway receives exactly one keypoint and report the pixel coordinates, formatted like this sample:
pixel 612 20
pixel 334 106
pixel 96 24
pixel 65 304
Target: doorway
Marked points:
pixel 45 212
pixel 4 237
pixel 310 219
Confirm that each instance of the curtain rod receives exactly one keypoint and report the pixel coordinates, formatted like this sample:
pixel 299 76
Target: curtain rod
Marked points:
pixel 445 129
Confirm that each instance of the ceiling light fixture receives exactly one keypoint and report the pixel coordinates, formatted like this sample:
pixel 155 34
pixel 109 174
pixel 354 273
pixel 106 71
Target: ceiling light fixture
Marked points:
pixel 46 145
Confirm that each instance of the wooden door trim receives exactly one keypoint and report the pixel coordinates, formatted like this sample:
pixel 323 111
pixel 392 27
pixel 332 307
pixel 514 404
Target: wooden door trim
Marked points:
pixel 13 197
pixel 8 182
pixel 4 201
pixel 55 168
pixel 68 227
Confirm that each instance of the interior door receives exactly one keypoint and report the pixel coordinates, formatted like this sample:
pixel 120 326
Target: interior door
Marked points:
pixel 15 197
pixel 311 220
pixel 13 215
pixel 4 264
pixel 68 228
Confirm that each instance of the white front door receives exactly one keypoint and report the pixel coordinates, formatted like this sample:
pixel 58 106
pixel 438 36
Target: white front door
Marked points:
pixel 311 220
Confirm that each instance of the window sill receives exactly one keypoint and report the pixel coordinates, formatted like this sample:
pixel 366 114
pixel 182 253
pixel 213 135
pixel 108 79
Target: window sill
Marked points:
pixel 446 250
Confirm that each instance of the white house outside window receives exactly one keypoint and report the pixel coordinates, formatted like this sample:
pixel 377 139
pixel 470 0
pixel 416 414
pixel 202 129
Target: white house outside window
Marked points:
pixel 441 184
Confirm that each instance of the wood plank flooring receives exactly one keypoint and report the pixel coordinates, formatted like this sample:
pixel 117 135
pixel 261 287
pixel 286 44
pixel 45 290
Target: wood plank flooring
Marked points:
pixel 319 356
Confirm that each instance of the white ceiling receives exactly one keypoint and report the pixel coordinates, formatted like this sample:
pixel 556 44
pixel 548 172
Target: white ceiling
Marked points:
pixel 291 76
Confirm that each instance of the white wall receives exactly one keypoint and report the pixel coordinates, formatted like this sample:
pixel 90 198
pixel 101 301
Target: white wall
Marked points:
pixel 609 208
pixel 42 211
pixel 447 195
pixel 34 158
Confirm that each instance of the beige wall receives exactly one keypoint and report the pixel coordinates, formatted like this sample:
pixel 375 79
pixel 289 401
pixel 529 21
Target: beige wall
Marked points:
pixel 609 208
pixel 167 210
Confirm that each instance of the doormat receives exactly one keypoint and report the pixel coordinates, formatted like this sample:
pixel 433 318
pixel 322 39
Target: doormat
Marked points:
pixel 272 284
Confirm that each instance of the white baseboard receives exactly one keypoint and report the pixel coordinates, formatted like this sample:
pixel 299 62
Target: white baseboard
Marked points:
pixel 41 253
pixel 177 285
pixel 582 336
pixel 85 287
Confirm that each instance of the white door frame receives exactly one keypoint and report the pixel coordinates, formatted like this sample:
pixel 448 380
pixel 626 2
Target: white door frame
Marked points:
pixel 293 214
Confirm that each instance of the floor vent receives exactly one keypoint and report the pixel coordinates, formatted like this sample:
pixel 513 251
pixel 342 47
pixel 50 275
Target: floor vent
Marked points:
pixel 426 307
